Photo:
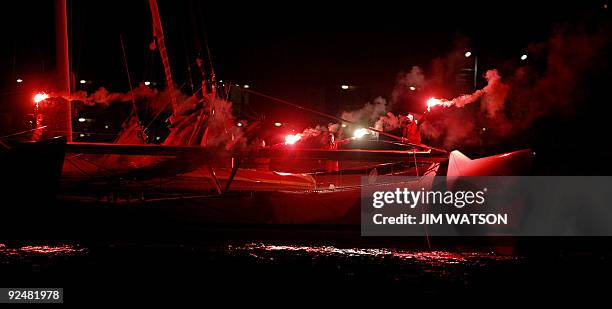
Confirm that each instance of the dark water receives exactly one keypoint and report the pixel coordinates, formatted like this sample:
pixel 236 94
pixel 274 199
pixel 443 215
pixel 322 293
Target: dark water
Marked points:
pixel 155 268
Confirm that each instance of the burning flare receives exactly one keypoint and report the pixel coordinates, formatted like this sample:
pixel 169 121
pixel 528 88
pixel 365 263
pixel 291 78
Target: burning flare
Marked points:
pixel 359 133
pixel 292 139
pixel 434 102
pixel 39 97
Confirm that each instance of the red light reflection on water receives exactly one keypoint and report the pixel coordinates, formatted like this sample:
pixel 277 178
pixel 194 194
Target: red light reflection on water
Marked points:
pixel 430 258
pixel 51 250
pixel 44 250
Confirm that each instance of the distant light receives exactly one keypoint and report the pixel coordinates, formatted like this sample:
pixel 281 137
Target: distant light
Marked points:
pixel 605 6
pixel 237 85
pixel 147 83
pixel 106 126
pixel 292 138
pixel 468 54
pixel 247 86
pixel 39 97
pixel 412 88
pixel 82 119
pixel 359 133
pixel 524 57
pixel 344 87
pixel 157 138
pixel 239 124
pixel 221 81
pixel 484 129
pixel 82 81
pixel 19 80
pixel 344 125
pixel 81 135
pixel 277 124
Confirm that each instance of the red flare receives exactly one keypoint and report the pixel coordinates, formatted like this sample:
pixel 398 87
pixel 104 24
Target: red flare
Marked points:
pixel 292 138
pixel 433 102
pixel 39 97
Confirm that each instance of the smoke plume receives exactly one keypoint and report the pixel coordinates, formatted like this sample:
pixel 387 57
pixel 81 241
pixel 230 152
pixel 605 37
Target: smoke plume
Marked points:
pixel 368 114
pixel 407 82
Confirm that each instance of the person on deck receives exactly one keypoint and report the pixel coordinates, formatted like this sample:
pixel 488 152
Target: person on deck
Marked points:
pixel 331 165
pixel 411 131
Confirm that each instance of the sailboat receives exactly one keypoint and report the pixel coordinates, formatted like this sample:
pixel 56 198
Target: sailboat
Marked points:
pixel 195 177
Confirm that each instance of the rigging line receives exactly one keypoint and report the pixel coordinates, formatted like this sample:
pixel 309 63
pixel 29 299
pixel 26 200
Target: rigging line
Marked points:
pixel 337 118
pixel 213 79
pixel 187 62
pixel 127 72
pixel 210 62
pixel 191 85
pixel 129 78
pixel 22 132
pixel 160 111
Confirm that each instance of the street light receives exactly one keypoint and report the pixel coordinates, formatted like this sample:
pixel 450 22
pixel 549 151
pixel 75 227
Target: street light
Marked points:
pixel 344 87
pixel 412 88
pixel 247 86
pixel 524 57
pixel 19 80
pixel 82 81
pixel 82 119
pixel 468 54
pixel 147 83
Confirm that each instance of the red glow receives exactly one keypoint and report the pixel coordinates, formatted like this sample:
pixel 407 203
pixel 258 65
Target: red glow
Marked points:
pixel 39 97
pixel 292 138
pixel 434 102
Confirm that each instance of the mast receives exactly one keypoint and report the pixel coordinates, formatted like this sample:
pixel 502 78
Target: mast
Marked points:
pixel 158 33
pixel 63 64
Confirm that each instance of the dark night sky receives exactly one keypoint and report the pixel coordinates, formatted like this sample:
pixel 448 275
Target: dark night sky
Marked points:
pixel 275 46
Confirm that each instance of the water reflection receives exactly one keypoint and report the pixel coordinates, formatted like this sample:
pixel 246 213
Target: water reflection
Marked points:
pixel 37 251
pixel 438 257
pixel 396 263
